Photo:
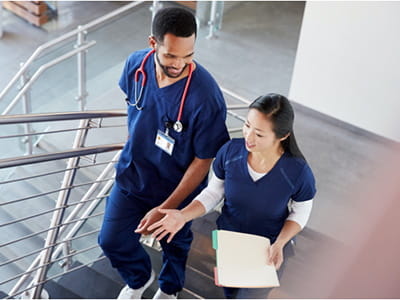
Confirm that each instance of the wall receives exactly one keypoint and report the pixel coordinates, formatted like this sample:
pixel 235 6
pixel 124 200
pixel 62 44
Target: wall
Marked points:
pixel 348 64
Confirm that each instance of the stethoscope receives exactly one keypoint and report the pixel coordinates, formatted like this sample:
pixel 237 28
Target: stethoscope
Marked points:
pixel 177 126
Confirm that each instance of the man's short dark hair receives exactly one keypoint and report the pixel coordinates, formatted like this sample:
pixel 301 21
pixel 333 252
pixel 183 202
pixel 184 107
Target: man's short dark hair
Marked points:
pixel 175 20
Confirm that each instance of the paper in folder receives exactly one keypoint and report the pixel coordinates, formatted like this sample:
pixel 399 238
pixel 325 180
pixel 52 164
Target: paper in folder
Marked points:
pixel 242 260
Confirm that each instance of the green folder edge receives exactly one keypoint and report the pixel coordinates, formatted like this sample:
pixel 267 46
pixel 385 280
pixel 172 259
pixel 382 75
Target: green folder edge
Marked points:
pixel 215 246
pixel 215 239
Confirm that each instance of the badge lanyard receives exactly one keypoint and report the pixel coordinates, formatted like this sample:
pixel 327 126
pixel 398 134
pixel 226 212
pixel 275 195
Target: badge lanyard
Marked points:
pixel 177 126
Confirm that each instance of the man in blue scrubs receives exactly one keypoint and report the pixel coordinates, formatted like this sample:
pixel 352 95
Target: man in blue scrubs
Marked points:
pixel 176 121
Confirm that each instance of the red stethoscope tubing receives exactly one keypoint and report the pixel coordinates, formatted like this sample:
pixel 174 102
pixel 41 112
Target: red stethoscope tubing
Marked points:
pixel 140 70
pixel 184 93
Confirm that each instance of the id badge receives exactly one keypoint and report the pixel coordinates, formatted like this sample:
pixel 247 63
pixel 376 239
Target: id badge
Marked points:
pixel 165 142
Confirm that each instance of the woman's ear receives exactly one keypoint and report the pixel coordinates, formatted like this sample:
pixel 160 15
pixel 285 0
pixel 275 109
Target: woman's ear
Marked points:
pixel 285 137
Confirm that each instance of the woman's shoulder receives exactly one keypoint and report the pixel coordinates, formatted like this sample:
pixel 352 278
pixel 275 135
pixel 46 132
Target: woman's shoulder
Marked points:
pixel 234 144
pixel 232 148
pixel 296 166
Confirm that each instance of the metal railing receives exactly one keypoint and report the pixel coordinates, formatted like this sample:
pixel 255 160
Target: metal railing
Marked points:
pixel 69 212
pixel 58 235
pixel 67 217
pixel 26 82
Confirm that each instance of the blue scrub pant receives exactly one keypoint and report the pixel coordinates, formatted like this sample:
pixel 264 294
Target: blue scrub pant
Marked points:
pixel 121 244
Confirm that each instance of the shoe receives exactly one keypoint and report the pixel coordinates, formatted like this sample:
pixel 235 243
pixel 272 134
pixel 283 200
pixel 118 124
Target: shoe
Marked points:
pixel 161 295
pixel 128 293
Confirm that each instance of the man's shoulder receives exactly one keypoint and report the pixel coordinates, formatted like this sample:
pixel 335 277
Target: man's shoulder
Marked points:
pixel 136 57
pixel 203 73
pixel 205 84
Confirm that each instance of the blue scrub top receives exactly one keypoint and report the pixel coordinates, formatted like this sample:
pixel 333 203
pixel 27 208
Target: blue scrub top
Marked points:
pixel 144 169
pixel 260 207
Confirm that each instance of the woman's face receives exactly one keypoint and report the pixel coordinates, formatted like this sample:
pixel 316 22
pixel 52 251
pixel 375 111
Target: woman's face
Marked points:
pixel 258 133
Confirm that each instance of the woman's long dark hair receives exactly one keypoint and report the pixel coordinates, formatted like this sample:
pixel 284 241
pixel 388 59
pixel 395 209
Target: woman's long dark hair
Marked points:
pixel 278 109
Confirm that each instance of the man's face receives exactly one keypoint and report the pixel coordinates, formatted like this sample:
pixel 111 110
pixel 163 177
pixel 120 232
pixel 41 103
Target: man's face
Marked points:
pixel 174 54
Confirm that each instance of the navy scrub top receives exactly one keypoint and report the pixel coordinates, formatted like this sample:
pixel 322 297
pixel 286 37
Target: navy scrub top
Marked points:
pixel 144 169
pixel 260 207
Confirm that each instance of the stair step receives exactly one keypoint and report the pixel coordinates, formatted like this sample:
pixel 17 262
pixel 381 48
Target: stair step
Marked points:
pixel 7 272
pixel 57 291
pixel 15 250
pixel 88 284
pixel 3 295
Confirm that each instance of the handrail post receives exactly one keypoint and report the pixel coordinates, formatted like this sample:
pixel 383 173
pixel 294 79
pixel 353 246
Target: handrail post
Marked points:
pixel 213 18
pixel 27 109
pixel 56 221
pixel 81 59
pixel 155 8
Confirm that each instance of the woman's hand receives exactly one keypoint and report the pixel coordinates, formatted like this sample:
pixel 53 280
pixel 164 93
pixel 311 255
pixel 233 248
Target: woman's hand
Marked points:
pixel 150 218
pixel 276 255
pixel 170 224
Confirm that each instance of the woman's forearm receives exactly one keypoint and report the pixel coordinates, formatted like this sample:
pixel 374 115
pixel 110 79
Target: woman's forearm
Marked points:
pixel 194 210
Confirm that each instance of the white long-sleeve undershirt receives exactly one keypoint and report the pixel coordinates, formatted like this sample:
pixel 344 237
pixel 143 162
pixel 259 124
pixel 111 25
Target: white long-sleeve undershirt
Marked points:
pixel 299 211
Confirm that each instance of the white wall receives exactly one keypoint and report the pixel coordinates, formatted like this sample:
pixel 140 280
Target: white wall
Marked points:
pixel 348 64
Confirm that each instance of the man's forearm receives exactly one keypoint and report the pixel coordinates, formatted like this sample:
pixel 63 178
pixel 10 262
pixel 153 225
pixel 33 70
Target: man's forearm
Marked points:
pixel 193 176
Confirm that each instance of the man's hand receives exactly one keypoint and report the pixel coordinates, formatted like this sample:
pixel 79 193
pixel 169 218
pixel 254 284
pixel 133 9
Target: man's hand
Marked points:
pixel 151 217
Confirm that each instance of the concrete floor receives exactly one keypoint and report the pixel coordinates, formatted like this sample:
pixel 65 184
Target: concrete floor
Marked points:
pixel 253 54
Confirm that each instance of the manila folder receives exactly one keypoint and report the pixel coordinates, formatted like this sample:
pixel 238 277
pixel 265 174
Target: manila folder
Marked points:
pixel 242 260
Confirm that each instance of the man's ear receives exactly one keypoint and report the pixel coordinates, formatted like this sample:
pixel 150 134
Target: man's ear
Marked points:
pixel 152 41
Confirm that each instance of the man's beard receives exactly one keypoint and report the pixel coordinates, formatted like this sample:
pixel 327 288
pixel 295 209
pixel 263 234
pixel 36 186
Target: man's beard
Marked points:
pixel 165 68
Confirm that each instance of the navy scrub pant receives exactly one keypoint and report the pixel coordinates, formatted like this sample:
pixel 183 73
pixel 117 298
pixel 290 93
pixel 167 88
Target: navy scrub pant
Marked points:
pixel 121 244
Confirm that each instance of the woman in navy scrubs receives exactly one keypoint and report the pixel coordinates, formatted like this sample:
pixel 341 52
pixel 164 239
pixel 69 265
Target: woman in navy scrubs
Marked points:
pixel 265 181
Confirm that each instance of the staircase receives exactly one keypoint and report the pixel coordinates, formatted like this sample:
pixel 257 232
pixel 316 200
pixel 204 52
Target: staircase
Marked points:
pixel 89 274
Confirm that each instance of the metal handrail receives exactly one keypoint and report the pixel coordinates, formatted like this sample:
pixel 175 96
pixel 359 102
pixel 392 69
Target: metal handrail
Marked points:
pixel 37 268
pixel 54 172
pixel 51 192
pixel 73 155
pixel 7 262
pixel 51 228
pixel 42 133
pixel 39 158
pixel 15 293
pixel 66 37
pixel 237 106
pixel 237 116
pixel 42 68
pixel 234 95
pixel 77 225
pixel 61 116
pixel 49 210
pixel 80 51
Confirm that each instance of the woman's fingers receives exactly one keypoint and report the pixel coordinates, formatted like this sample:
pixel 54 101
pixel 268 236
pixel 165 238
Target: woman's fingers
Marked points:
pixel 156 224
pixel 162 235
pixel 157 232
pixel 171 236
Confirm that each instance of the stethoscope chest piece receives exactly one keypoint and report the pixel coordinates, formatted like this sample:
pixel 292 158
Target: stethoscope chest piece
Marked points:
pixel 178 127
